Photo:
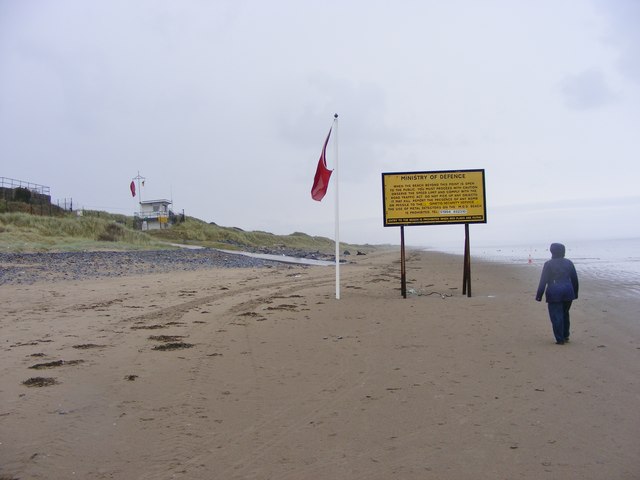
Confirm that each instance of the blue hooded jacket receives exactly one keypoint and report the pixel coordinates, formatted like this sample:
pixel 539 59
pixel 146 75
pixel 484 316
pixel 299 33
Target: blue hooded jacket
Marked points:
pixel 559 277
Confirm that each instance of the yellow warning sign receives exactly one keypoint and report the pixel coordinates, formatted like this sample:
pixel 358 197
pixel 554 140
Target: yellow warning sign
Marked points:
pixel 434 198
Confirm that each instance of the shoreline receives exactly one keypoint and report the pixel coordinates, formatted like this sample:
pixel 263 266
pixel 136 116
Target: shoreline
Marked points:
pixel 260 373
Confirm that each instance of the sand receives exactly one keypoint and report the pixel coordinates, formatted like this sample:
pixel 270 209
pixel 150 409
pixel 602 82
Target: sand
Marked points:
pixel 262 374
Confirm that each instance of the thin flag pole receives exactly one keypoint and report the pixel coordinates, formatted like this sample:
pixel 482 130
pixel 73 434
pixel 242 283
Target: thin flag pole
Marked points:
pixel 138 178
pixel 337 206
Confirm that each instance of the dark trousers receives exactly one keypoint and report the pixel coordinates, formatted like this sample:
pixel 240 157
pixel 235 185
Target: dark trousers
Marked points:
pixel 559 315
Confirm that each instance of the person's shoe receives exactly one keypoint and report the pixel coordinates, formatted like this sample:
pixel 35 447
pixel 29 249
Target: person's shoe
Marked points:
pixel 560 343
pixel 566 340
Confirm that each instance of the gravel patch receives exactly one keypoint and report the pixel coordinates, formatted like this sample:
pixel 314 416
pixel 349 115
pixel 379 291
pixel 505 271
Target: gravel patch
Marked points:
pixel 28 268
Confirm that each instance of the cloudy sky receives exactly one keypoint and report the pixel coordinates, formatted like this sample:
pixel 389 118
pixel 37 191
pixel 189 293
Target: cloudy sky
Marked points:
pixel 223 107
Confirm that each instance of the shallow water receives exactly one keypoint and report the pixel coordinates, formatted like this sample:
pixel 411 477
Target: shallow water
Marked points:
pixel 282 258
pixel 617 262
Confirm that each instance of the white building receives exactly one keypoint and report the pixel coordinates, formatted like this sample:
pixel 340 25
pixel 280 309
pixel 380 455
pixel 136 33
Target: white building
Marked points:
pixel 154 214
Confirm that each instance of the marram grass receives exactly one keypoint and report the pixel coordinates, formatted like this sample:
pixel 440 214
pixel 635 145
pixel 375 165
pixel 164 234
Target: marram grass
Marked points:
pixel 194 231
pixel 22 232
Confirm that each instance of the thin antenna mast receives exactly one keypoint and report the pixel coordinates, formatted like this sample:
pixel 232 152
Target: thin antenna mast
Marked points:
pixel 138 178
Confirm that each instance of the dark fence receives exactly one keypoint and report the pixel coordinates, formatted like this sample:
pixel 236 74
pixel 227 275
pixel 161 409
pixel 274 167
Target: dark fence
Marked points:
pixel 21 196
pixel 12 184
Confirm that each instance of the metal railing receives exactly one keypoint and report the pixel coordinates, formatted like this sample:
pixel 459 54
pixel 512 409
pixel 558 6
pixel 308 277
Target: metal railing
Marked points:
pixel 34 187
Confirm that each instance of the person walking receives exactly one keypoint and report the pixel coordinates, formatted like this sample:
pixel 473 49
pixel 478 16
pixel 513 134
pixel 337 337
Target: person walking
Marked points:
pixel 560 281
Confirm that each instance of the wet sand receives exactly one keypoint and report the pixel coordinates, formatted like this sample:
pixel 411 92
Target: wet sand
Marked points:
pixel 259 373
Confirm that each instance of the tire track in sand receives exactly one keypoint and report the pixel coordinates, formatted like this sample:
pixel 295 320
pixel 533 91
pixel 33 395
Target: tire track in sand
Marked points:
pixel 189 451
pixel 249 445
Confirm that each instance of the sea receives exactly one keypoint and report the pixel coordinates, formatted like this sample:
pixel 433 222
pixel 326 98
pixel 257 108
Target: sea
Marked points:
pixel 616 262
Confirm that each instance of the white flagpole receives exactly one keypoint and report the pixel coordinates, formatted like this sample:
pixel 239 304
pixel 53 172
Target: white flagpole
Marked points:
pixel 337 183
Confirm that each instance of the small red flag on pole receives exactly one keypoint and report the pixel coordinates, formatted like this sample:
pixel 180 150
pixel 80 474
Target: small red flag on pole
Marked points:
pixel 132 187
pixel 323 174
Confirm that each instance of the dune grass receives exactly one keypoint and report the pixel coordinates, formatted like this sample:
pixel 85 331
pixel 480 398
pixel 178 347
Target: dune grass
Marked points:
pixel 22 232
pixel 94 230
pixel 197 232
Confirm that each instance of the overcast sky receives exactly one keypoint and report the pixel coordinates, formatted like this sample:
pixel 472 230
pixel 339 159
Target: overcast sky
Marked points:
pixel 223 107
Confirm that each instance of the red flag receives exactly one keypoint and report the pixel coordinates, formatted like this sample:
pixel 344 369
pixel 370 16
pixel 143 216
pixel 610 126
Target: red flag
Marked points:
pixel 132 187
pixel 323 174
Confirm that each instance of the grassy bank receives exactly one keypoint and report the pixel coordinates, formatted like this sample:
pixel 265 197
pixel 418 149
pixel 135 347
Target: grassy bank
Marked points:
pixel 21 232
pixel 196 232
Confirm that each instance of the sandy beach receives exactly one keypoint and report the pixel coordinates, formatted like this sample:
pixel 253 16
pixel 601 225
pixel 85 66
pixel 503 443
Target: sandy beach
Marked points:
pixel 260 373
